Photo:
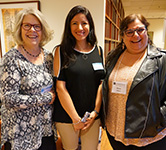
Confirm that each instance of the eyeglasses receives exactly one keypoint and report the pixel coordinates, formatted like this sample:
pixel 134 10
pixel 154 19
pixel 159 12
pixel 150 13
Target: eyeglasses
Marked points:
pixel 131 32
pixel 28 26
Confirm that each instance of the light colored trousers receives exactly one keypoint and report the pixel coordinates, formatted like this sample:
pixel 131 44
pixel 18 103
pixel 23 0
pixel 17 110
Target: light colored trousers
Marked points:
pixel 89 138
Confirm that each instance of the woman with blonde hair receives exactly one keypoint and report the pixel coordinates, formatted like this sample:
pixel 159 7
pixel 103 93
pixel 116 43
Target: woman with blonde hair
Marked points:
pixel 26 86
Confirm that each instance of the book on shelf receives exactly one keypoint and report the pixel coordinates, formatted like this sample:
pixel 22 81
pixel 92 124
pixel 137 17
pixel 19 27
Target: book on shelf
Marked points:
pixel 107 28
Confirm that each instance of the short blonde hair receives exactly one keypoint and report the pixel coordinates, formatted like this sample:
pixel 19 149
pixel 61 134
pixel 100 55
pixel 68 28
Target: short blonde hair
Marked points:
pixel 47 33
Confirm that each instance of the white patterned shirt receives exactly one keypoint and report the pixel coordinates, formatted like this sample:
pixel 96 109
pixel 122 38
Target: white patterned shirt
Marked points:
pixel 26 112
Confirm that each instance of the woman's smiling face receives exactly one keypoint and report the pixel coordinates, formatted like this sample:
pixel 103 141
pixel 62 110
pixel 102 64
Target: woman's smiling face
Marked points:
pixel 138 42
pixel 80 27
pixel 31 37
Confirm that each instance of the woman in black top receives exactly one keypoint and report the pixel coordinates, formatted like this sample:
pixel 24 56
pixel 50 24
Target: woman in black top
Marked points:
pixel 78 66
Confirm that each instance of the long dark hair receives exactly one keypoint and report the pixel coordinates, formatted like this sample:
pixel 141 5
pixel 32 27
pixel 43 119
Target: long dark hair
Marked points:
pixel 123 26
pixel 68 40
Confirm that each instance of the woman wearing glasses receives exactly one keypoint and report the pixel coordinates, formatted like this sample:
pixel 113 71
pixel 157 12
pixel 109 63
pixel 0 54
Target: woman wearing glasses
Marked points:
pixel 26 86
pixel 134 96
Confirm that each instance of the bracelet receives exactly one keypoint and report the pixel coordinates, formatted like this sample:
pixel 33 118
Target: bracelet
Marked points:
pixel 77 122
pixel 96 112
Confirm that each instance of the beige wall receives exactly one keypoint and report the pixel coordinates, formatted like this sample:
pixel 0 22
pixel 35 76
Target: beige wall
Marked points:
pixel 165 33
pixel 157 26
pixel 55 12
pixel 165 42
pixel 13 0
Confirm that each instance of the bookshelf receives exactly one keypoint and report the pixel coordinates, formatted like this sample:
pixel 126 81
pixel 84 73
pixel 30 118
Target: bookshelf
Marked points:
pixel 114 15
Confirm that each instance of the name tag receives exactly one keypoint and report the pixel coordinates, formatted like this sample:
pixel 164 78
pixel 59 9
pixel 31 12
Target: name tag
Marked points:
pixel 119 87
pixel 46 89
pixel 97 66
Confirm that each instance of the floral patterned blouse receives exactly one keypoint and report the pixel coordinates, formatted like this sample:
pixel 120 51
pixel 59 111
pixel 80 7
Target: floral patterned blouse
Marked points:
pixel 26 112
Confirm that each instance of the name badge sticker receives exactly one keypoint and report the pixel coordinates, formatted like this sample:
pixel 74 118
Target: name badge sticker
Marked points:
pixel 119 87
pixel 46 88
pixel 97 66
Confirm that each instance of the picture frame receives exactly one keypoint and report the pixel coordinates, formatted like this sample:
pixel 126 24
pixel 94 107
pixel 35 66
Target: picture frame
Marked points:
pixel 8 11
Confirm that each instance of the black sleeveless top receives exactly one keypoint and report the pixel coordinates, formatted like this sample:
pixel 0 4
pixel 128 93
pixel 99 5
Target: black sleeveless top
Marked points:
pixel 82 79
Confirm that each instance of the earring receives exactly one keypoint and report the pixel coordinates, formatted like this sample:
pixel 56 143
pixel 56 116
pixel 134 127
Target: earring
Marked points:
pixel 123 45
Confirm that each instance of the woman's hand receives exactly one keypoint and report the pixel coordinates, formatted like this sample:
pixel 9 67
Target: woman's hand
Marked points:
pixel 53 96
pixel 90 120
pixel 78 125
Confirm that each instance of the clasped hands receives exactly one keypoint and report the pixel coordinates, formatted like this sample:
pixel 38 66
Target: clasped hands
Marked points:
pixel 85 125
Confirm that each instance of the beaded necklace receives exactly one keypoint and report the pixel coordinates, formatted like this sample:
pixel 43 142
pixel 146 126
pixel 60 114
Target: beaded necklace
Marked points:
pixel 30 53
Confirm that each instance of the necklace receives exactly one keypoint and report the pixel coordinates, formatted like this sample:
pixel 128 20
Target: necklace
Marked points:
pixel 85 51
pixel 121 87
pixel 130 68
pixel 84 56
pixel 30 53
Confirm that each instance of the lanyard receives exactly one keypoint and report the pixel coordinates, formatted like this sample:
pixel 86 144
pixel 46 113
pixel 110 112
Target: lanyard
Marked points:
pixel 130 68
pixel 120 87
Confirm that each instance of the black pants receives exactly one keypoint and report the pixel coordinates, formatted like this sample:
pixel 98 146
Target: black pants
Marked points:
pixel 159 145
pixel 48 143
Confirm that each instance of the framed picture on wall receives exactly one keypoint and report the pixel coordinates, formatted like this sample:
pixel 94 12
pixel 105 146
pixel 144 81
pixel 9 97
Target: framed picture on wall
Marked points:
pixel 8 11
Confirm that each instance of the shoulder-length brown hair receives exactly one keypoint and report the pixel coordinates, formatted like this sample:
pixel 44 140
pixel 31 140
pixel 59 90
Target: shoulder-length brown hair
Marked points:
pixel 123 26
